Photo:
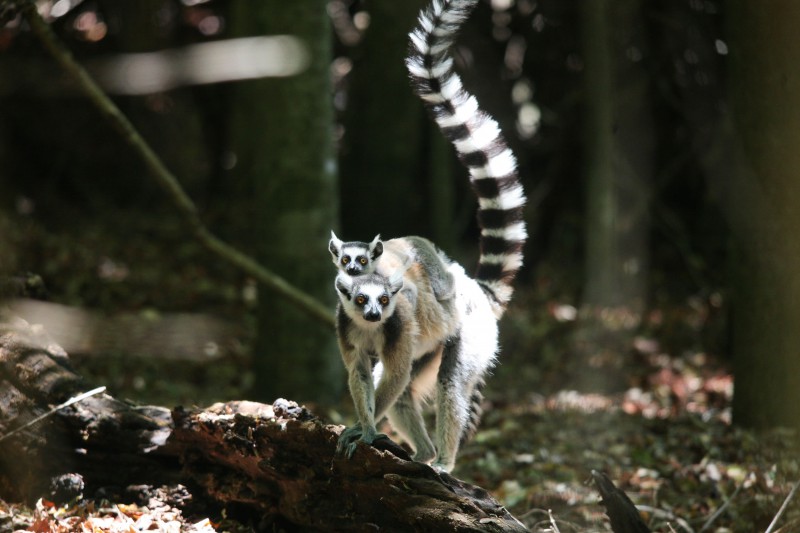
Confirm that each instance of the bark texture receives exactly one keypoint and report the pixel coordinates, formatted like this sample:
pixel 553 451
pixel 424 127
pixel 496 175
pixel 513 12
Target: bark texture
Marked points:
pixel 763 205
pixel 281 134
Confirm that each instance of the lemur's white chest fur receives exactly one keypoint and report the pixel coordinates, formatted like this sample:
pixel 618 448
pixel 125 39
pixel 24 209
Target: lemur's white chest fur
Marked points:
pixel 381 309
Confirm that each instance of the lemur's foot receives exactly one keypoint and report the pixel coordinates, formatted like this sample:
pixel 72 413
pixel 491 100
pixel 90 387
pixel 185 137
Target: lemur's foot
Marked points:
pixel 347 440
pixel 350 437
pixel 443 468
pixel 425 454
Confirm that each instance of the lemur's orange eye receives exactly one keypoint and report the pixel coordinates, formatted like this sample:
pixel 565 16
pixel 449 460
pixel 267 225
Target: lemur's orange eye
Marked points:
pixel 363 260
pixel 384 300
pixel 361 300
pixel 345 260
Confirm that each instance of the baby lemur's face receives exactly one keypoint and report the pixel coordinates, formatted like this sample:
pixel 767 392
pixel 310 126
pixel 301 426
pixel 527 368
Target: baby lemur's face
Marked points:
pixel 355 258
pixel 370 297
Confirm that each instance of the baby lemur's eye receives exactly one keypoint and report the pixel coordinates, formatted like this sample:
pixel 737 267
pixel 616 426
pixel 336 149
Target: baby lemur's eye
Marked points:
pixel 384 300
pixel 362 260
pixel 345 260
pixel 361 300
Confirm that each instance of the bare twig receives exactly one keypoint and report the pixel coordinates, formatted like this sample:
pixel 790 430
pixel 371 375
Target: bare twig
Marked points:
pixel 553 521
pixel 783 508
pixel 186 207
pixel 71 401
pixel 721 509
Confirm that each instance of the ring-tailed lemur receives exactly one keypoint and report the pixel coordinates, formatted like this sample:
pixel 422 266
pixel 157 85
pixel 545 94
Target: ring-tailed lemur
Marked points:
pixel 411 324
pixel 357 257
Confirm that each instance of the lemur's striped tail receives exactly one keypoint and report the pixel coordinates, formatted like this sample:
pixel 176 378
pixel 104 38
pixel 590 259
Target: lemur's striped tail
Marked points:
pixel 478 141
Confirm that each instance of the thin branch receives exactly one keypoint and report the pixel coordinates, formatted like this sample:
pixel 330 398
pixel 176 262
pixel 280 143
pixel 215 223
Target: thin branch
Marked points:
pixel 721 509
pixel 783 508
pixel 71 401
pixel 553 524
pixel 165 178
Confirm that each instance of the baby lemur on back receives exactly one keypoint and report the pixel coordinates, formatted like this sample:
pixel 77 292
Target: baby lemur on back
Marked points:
pixel 412 325
pixel 356 257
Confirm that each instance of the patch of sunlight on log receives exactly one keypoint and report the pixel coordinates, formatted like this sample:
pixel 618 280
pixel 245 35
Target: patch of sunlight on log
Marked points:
pixel 213 62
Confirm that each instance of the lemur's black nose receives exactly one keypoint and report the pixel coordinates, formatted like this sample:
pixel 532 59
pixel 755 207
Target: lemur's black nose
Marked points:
pixel 353 270
pixel 372 316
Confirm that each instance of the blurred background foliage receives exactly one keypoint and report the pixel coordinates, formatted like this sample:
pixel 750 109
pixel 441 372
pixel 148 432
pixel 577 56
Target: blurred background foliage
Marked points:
pixel 620 113
pixel 656 141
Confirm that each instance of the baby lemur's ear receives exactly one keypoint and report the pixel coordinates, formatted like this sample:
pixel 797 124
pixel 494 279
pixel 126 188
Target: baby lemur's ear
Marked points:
pixel 396 281
pixel 335 246
pixel 376 247
pixel 344 284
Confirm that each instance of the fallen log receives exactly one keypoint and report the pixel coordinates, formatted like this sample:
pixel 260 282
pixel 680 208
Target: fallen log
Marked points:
pixel 106 440
pixel 273 464
pixel 280 459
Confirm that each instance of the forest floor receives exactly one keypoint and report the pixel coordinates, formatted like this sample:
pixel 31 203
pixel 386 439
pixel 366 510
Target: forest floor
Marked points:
pixel 647 401
pixel 666 440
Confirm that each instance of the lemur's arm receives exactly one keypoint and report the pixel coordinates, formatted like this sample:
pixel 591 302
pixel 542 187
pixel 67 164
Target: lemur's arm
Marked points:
pixel 371 403
pixel 397 361
pixel 362 390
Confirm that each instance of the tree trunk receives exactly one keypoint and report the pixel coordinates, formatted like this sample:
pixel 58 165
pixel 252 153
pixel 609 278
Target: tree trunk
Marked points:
pixel 619 164
pixel 272 465
pixel 170 121
pixel 764 212
pixel 619 154
pixel 600 248
pixel 384 166
pixel 282 140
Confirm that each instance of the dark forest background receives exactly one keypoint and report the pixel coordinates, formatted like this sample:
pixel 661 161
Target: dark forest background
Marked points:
pixel 656 141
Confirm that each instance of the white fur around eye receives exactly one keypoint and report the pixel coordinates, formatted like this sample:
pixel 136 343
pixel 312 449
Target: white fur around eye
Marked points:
pixel 354 251
pixel 373 292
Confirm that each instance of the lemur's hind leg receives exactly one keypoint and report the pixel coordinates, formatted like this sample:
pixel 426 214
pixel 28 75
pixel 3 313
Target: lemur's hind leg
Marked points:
pixel 454 390
pixel 405 416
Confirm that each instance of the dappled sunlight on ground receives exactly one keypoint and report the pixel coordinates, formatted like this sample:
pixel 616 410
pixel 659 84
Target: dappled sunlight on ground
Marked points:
pixel 668 443
pixel 645 399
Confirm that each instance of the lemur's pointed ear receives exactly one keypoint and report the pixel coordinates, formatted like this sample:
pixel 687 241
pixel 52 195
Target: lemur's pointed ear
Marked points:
pixel 376 247
pixel 335 246
pixel 396 281
pixel 344 284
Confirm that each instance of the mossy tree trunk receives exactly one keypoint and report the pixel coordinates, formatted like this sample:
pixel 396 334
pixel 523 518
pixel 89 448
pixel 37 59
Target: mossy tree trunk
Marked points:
pixel 386 153
pixel 619 141
pixel 282 140
pixel 765 212
pixel 600 247
pixel 170 121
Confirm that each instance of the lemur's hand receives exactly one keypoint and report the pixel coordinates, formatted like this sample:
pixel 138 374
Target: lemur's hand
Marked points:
pixel 350 437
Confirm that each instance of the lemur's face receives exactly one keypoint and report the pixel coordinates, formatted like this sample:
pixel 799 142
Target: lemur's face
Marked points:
pixel 355 258
pixel 371 298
